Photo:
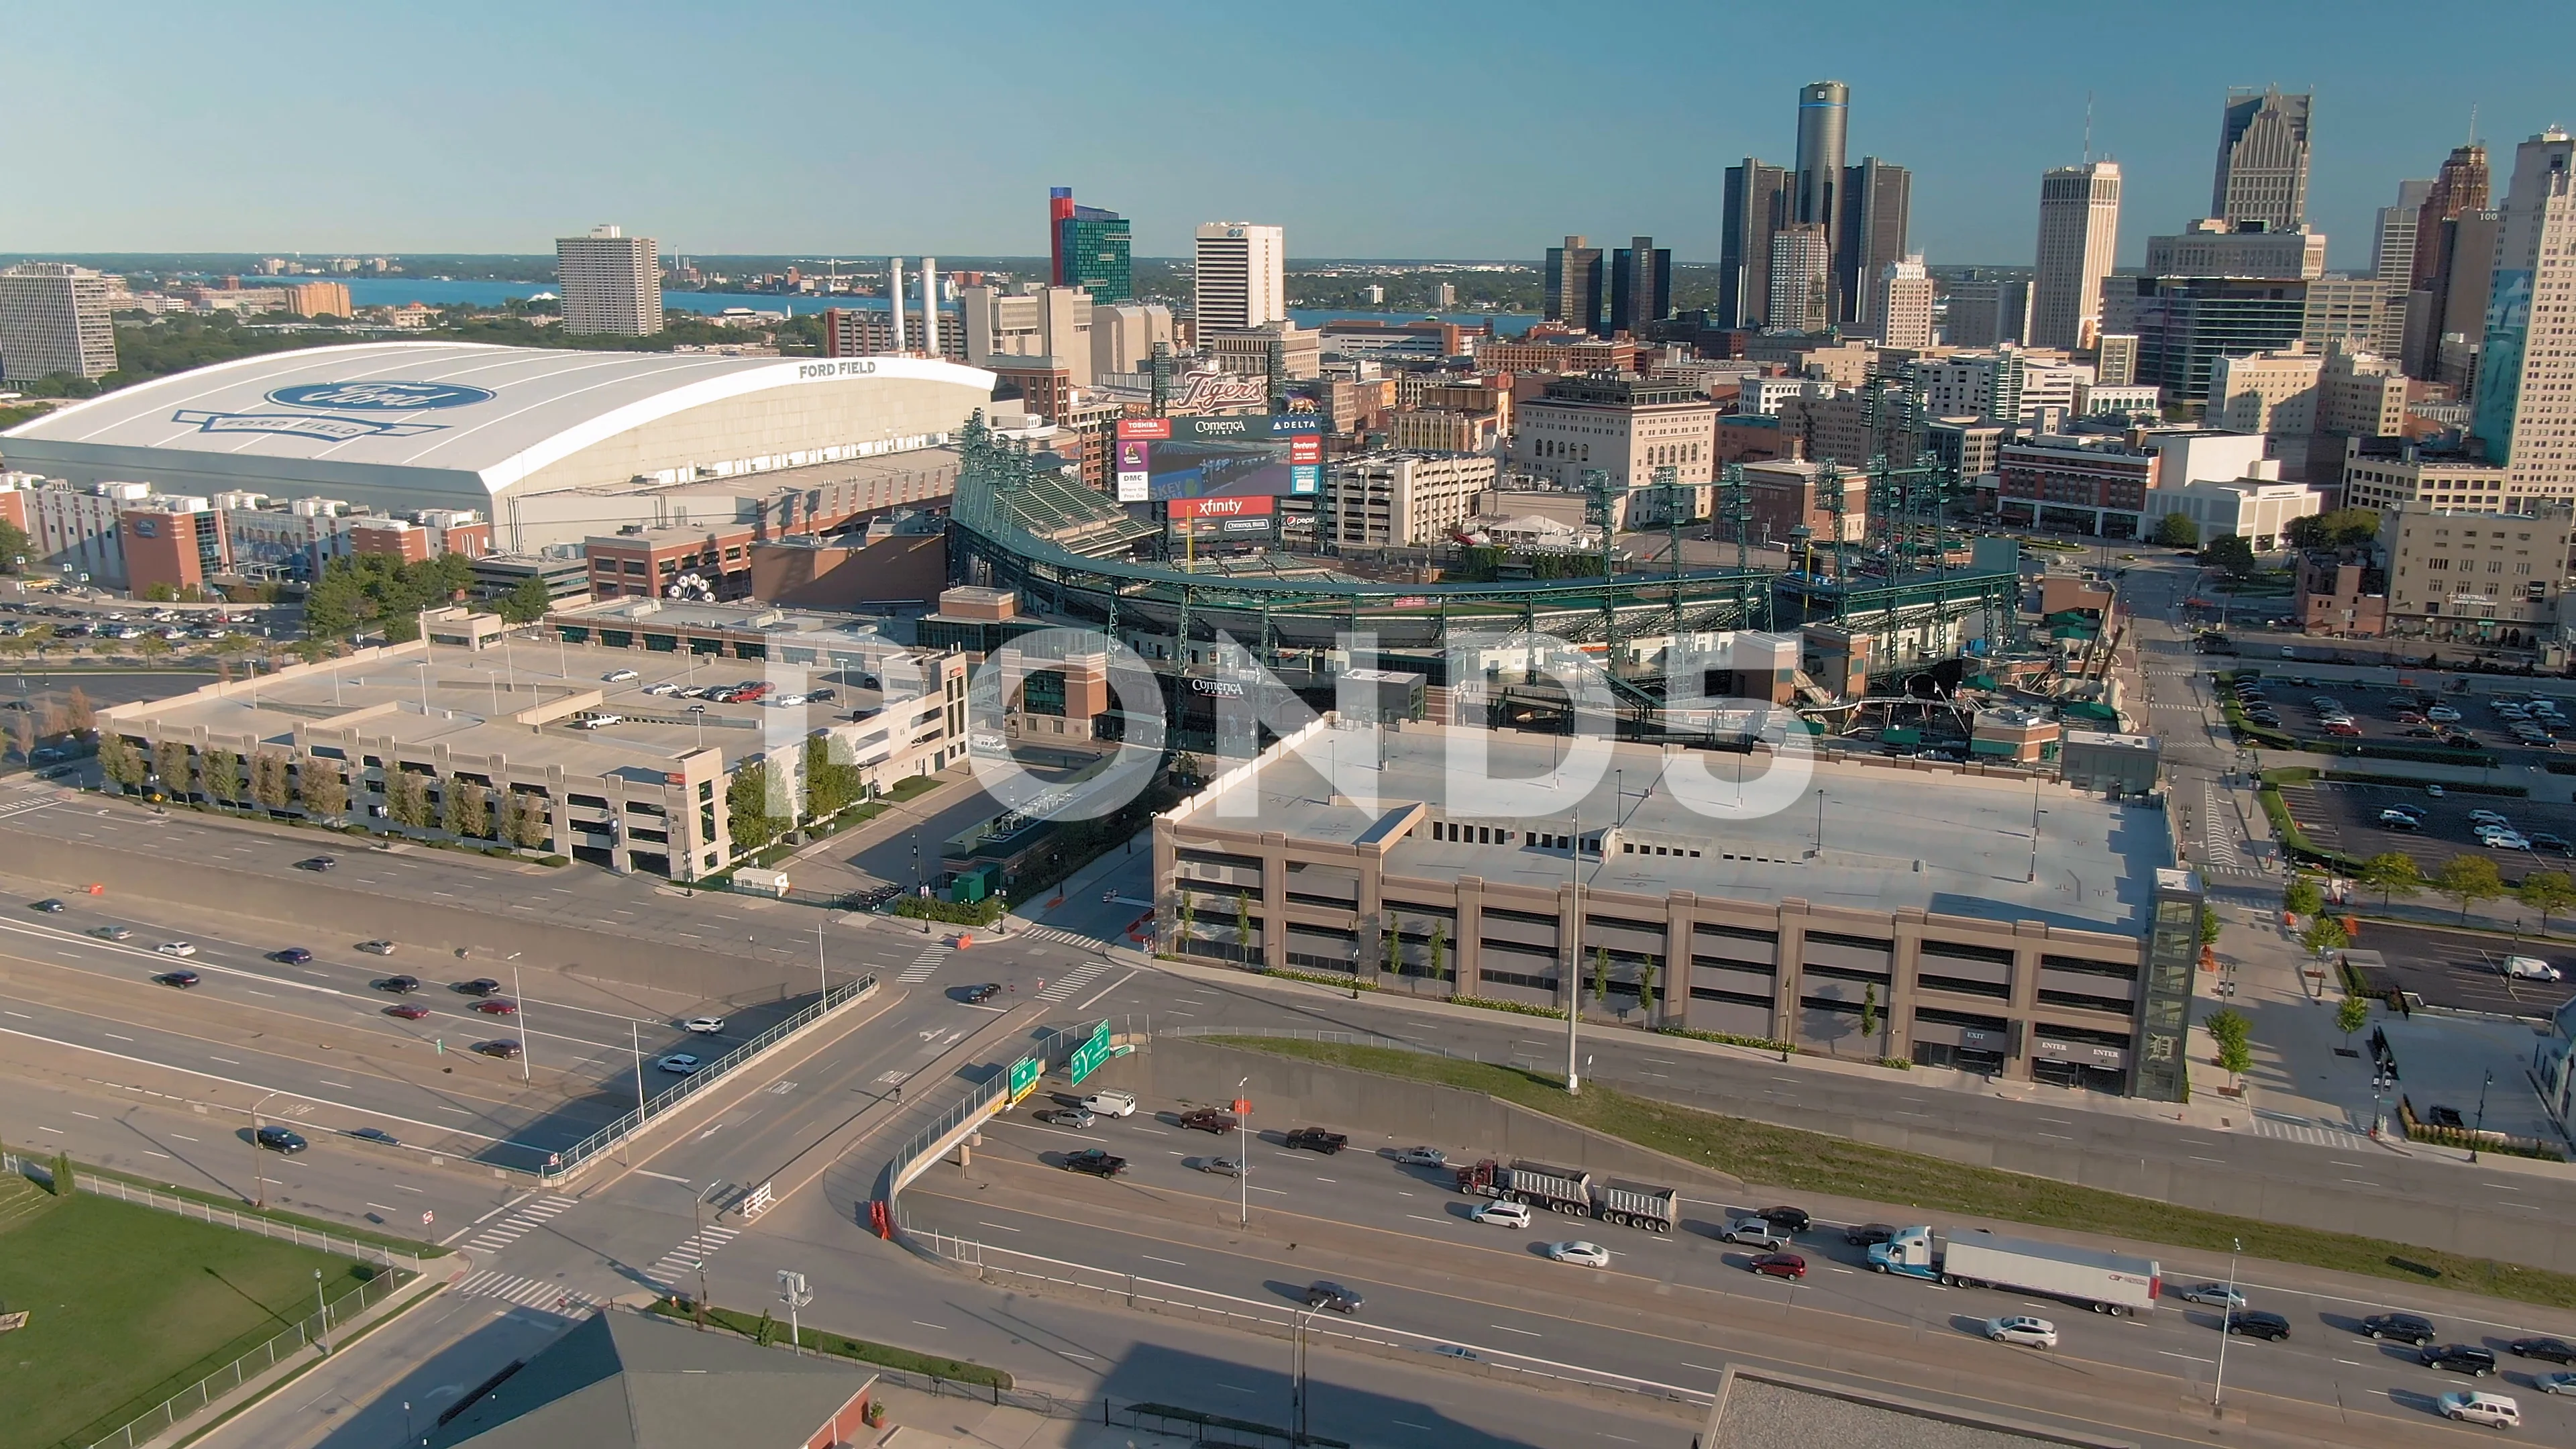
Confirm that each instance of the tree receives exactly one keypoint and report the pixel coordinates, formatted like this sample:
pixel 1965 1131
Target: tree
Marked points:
pixel 13 546
pixel 1439 950
pixel 152 646
pixel 2323 935
pixel 1189 912
pixel 407 797
pixel 2209 925
pixel 2227 1024
pixel 747 814
pixel 528 825
pixel 323 789
pixel 831 786
pixel 1646 989
pixel 1600 975
pixel 1243 925
pixel 2177 530
pixel 2391 873
pixel 1394 946
pixel 2468 879
pixel 2352 1015
pixel 78 716
pixel 469 808
pixel 64 1185
pixel 268 780
pixel 2231 554
pixel 120 761
pixel 1869 1010
pixel 2547 891
pixel 2236 1058
pixel 170 765
pixel 527 603
pixel 219 775
pixel 22 733
pixel 2301 897
pixel 2343 528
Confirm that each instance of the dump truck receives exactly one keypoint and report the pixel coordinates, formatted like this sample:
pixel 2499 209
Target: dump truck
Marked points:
pixel 1637 1204
pixel 1558 1189
pixel 1575 1191
pixel 2104 1282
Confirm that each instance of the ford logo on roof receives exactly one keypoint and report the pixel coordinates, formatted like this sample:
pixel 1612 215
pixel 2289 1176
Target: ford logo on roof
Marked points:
pixel 380 396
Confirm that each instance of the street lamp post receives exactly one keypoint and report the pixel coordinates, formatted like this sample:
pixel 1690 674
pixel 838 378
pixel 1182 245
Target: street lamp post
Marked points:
pixel 821 971
pixel 322 1305
pixel 2226 1314
pixel 1297 1379
pixel 527 1034
pixel 1243 1151
pixel 258 1167
pixel 2476 1132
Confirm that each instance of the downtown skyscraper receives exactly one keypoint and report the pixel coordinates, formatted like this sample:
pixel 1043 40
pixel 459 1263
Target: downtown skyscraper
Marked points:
pixel 1859 216
pixel 2079 229
pixel 2525 410
pixel 2263 160
pixel 1089 248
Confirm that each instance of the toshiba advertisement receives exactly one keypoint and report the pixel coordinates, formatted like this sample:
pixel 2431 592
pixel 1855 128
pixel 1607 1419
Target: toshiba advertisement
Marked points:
pixel 1258 456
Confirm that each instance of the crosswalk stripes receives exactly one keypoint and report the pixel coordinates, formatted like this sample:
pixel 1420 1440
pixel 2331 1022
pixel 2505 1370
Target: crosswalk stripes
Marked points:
pixel 2315 1134
pixel 526 1219
pixel 924 964
pixel 1058 933
pixel 25 805
pixel 527 1293
pixel 693 1250
pixel 1063 987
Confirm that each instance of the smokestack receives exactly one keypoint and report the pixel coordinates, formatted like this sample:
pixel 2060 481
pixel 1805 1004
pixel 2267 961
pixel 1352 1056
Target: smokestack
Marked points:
pixel 894 299
pixel 930 307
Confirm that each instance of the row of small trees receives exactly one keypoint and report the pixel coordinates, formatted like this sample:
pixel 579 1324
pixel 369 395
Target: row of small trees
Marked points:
pixel 755 803
pixel 273 780
pixel 2467 879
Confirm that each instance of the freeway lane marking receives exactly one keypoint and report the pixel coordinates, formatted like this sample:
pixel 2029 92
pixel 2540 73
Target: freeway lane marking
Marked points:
pixel 1150 1258
pixel 2352 1362
pixel 942 1327
pixel 227 1061
pixel 2169 1353
pixel 666 1177
pixel 22 1016
pixel 1523 1332
pixel 112 1036
pixel 1005 1227
pixel 93 1116
pixel 183 1137
pixel 1419 1218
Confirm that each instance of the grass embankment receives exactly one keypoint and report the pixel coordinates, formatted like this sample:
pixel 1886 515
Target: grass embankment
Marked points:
pixel 766 1330
pixel 128 1305
pixel 1814 1162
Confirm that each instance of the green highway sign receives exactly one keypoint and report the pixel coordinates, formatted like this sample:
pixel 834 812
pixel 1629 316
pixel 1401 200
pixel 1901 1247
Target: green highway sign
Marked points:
pixel 1091 1053
pixel 1024 1077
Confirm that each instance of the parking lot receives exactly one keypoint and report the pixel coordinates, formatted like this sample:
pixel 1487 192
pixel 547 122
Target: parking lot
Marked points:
pixel 2460 970
pixel 2345 817
pixel 2410 717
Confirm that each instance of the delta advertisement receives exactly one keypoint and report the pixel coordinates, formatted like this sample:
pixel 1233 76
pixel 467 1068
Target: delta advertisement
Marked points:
pixel 1252 456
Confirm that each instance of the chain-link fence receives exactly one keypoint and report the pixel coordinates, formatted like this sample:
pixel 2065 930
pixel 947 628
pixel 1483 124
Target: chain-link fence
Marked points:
pixel 266 1227
pixel 564 1163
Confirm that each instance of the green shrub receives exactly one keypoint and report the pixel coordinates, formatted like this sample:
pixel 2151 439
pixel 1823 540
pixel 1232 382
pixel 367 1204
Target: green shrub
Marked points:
pixel 1517 1008
pixel 1728 1038
pixel 1320 978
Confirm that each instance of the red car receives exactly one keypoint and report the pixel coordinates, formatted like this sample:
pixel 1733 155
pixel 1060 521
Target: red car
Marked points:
pixel 1779 1265
pixel 497 1007
pixel 407 1011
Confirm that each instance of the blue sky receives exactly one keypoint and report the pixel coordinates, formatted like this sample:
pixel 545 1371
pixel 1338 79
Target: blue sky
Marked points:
pixel 1381 129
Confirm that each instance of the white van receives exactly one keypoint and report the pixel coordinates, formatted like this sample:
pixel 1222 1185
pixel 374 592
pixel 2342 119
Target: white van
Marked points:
pixel 1110 1104
pixel 2530 968
pixel 2493 1410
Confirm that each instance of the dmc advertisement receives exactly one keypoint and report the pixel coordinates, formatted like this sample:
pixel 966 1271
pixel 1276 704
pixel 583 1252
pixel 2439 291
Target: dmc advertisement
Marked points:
pixel 1267 455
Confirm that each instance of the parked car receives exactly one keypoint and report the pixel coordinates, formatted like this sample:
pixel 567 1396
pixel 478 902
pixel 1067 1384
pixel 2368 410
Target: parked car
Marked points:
pixel 1096 1162
pixel 1316 1139
pixel 2022 1329
pixel 1333 1296
pixel 1501 1214
pixel 2493 1410
pixel 619 676
pixel 1579 1253
pixel 279 1139
pixel 2442 714
pixel 2504 840
pixel 1778 1265
pixel 2553 843
pixel 2487 817
pixel 2447 1117
pixel 2255 1323
pixel 2460 1358
pixel 1208 1119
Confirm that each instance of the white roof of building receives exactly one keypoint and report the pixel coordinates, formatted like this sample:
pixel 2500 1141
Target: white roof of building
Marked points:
pixel 500 413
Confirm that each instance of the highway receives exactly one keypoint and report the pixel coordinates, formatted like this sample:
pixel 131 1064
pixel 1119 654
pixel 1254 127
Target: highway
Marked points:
pixel 1670 1309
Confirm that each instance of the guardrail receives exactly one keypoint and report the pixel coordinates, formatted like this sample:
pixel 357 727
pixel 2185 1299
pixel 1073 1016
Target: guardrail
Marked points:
pixel 563 1164
pixel 1156 1295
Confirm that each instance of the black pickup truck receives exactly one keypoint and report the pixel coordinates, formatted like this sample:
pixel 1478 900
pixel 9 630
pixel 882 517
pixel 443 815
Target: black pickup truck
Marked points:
pixel 1316 1139
pixel 1096 1162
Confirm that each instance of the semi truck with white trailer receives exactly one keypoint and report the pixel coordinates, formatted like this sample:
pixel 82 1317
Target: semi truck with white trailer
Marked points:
pixel 1575 1191
pixel 2104 1282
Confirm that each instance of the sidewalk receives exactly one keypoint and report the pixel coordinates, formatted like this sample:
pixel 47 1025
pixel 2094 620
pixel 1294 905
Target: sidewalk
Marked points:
pixel 916 1420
